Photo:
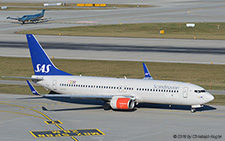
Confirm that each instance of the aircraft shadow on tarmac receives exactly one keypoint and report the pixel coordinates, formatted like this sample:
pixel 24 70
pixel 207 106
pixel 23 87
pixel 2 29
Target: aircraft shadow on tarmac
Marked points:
pixel 39 22
pixel 174 107
pixel 99 105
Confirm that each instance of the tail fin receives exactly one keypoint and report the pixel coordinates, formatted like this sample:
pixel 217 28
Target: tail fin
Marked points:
pixel 147 73
pixel 42 65
pixel 43 12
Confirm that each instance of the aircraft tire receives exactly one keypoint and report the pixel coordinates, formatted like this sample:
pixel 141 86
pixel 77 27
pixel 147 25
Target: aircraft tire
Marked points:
pixel 193 110
pixel 106 106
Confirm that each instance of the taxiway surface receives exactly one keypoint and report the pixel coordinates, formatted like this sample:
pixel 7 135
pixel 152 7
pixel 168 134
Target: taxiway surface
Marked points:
pixel 120 49
pixel 163 11
pixel 155 122
pixel 126 49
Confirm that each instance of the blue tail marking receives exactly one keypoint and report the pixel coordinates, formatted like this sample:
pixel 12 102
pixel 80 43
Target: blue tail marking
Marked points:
pixel 43 12
pixel 42 65
pixel 147 73
pixel 33 90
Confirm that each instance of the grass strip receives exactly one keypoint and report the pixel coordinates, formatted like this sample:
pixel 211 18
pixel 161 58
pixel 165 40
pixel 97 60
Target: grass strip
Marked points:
pixel 20 89
pixel 200 74
pixel 219 100
pixel 215 31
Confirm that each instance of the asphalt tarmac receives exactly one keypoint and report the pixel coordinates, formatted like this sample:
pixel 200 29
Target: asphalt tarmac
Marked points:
pixel 163 11
pixel 21 114
pixel 126 49
pixel 119 49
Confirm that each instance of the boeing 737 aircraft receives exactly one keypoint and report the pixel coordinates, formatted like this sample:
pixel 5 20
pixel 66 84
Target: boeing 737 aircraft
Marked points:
pixel 30 18
pixel 117 93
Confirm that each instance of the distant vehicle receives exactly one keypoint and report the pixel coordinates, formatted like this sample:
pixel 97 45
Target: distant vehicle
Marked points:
pixel 117 93
pixel 30 18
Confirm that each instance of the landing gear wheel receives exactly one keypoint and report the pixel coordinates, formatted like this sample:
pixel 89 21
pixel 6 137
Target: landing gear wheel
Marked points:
pixel 193 110
pixel 106 106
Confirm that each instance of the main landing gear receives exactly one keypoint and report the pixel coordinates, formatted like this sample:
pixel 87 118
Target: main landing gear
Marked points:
pixel 106 106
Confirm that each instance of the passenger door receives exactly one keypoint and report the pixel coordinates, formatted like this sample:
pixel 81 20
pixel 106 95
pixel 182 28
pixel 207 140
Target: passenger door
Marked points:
pixel 185 92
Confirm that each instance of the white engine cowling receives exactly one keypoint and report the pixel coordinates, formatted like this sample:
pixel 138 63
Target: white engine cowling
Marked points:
pixel 120 102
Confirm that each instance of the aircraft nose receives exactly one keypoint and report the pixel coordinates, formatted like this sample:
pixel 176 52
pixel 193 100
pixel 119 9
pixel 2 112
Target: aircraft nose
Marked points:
pixel 209 97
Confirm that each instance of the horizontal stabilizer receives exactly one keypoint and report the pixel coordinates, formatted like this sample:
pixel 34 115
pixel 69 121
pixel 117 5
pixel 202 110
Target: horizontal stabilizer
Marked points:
pixel 33 90
pixel 11 18
pixel 30 78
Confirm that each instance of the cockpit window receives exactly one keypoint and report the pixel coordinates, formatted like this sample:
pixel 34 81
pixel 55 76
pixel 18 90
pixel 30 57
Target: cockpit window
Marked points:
pixel 200 91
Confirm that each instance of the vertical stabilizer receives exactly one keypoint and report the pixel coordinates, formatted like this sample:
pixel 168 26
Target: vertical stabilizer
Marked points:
pixel 147 73
pixel 42 65
pixel 43 12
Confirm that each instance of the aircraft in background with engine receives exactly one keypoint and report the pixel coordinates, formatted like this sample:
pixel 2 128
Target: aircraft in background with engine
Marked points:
pixel 30 18
pixel 117 93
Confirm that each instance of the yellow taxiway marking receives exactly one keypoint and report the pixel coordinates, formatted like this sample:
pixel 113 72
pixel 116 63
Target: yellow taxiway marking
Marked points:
pixel 21 114
pixel 54 122
pixel 44 115
pixel 67 133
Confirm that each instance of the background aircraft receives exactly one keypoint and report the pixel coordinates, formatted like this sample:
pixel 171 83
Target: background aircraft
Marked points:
pixel 30 18
pixel 117 93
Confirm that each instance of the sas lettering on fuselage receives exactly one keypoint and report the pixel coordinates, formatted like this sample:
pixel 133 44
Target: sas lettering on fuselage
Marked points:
pixel 43 68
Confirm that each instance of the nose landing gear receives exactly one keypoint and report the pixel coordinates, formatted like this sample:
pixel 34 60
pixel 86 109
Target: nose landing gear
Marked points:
pixel 193 110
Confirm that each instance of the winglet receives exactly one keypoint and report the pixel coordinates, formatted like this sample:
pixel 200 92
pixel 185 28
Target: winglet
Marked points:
pixel 33 90
pixel 147 73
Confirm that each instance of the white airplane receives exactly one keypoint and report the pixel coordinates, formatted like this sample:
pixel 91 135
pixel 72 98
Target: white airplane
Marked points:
pixel 117 93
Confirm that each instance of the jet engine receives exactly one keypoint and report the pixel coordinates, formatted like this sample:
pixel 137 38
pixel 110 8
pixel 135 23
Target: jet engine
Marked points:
pixel 119 102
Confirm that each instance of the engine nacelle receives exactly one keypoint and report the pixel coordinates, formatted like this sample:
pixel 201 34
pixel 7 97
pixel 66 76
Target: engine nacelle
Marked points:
pixel 122 103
